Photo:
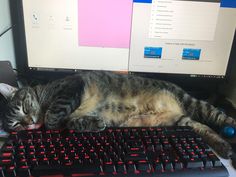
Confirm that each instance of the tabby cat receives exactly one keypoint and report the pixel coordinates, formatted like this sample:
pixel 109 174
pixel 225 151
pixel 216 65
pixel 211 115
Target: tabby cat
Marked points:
pixel 91 101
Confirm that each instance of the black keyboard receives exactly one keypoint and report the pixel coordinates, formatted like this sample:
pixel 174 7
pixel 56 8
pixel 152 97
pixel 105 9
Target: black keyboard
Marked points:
pixel 165 151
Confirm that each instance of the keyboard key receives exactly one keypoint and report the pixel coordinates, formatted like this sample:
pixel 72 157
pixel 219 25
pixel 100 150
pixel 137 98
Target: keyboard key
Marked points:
pixel 7 154
pixel 6 162
pixel 120 167
pixel 217 163
pixel 135 157
pixel 135 150
pixel 169 166
pixel 11 171
pixel 192 163
pixel 208 163
pixel 178 165
pixel 24 171
pixel 109 167
pixel 143 165
pixel 159 167
pixel 130 167
pixel 66 170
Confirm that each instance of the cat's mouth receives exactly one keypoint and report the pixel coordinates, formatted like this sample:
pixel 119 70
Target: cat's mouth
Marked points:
pixel 31 123
pixel 33 126
pixel 19 127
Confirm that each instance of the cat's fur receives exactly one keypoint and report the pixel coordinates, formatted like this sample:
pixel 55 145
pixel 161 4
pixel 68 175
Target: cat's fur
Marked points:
pixel 93 100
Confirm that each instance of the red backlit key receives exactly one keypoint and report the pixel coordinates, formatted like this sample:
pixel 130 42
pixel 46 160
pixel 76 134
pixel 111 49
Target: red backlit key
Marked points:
pixel 143 165
pixel 120 167
pixel 7 154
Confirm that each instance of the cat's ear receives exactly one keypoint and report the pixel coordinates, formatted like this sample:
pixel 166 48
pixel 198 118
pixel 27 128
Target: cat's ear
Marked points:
pixel 7 91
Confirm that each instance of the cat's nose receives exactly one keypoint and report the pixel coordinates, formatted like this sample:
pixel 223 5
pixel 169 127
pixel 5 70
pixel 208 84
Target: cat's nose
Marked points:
pixel 30 122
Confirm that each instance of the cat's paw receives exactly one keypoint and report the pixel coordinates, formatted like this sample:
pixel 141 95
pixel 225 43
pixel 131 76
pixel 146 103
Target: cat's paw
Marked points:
pixel 96 124
pixel 223 148
pixel 51 121
pixel 230 122
pixel 87 123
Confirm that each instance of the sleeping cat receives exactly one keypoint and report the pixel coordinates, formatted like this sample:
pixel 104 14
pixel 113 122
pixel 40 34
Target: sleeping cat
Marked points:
pixel 91 101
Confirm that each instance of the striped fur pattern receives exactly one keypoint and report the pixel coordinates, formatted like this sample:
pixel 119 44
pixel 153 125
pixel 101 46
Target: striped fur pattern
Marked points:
pixel 90 101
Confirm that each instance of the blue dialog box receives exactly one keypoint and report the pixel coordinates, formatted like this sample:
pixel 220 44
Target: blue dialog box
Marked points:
pixel 191 54
pixel 152 52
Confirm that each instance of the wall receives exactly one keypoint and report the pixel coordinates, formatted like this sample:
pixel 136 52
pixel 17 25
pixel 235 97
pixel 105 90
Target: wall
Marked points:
pixel 6 41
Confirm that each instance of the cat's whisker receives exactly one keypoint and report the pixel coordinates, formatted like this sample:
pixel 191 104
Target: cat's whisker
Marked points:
pixel 15 124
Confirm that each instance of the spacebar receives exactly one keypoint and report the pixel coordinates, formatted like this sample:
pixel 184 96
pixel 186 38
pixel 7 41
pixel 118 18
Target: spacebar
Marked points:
pixel 83 170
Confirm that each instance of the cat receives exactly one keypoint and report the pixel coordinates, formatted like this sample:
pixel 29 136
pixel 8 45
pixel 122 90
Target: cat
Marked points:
pixel 91 101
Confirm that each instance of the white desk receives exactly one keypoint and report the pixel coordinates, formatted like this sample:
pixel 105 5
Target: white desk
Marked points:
pixel 231 170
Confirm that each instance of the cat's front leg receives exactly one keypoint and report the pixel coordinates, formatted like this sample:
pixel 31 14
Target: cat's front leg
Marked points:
pixel 58 112
pixel 86 123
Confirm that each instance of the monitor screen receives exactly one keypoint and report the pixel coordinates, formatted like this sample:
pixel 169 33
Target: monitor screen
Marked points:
pixel 192 37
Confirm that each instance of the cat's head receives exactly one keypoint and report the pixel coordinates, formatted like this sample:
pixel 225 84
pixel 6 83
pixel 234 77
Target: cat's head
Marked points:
pixel 23 109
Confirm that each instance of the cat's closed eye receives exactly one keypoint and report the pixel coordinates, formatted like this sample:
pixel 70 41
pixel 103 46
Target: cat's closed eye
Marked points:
pixel 24 110
pixel 15 124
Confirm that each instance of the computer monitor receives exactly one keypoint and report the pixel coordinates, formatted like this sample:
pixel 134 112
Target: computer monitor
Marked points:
pixel 179 37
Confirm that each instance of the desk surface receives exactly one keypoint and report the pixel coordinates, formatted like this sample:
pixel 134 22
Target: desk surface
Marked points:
pixel 228 165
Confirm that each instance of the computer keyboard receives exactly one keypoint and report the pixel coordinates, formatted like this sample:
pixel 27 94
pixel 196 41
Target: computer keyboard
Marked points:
pixel 158 151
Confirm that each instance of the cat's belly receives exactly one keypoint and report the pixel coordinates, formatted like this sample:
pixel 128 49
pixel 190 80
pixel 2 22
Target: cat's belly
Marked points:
pixel 144 110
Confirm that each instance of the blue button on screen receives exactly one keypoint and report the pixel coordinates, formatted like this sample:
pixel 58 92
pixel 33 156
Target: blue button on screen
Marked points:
pixel 152 52
pixel 191 54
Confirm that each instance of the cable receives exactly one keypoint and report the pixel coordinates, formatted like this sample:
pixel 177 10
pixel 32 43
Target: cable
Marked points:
pixel 9 28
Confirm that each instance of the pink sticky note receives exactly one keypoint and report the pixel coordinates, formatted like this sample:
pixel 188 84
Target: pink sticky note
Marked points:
pixel 104 23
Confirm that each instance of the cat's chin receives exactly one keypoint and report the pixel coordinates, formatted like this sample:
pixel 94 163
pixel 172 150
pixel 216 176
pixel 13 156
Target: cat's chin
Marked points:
pixel 33 126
